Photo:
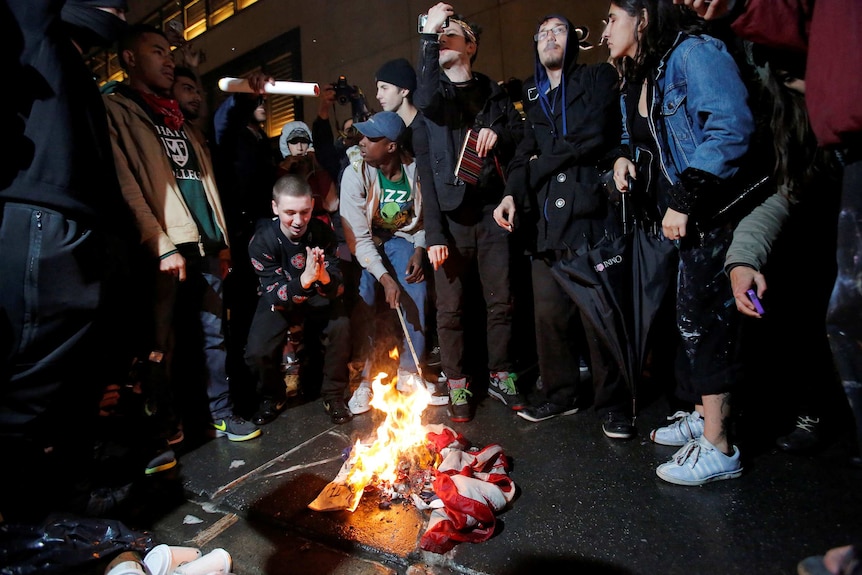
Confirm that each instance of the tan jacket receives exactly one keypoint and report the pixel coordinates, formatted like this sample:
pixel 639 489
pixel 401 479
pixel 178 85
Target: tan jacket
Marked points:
pixel 360 196
pixel 147 179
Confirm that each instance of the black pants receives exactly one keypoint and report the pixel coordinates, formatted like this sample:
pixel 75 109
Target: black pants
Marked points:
pixel 709 360
pixel 60 347
pixel 561 336
pixel 482 242
pixel 326 337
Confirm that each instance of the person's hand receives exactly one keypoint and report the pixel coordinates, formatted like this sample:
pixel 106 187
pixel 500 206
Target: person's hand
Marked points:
pixel 485 141
pixel 708 9
pixel 437 255
pixel 315 267
pixel 391 290
pixel 742 278
pixel 174 265
pixel 415 271
pixel 437 15
pixel 257 81
pixel 327 100
pixel 188 55
pixel 673 224
pixel 110 400
pixel 504 214
pixel 623 170
pixel 322 270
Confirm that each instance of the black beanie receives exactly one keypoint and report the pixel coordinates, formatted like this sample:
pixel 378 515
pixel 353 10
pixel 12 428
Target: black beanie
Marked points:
pixel 398 73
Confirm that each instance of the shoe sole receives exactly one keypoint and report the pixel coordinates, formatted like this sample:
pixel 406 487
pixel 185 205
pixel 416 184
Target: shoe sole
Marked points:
pixel 439 400
pixel 160 468
pixel 525 415
pixel 711 478
pixel 617 434
pixel 359 411
pixel 234 437
pixel 459 418
pixel 502 399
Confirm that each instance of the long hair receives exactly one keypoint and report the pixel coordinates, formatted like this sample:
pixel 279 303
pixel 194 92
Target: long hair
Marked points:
pixel 800 164
pixel 664 22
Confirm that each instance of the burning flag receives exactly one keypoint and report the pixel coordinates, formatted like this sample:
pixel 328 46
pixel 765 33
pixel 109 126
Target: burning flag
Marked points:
pixel 398 455
pixel 428 465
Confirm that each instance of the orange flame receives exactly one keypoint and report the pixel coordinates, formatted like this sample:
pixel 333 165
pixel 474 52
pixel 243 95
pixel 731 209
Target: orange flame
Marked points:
pixel 401 436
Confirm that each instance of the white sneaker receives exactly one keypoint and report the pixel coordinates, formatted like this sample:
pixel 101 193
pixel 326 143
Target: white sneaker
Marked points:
pixel 407 381
pixel 699 462
pixel 360 401
pixel 439 392
pixel 687 427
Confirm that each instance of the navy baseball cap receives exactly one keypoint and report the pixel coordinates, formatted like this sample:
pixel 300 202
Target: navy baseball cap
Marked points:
pixel 382 125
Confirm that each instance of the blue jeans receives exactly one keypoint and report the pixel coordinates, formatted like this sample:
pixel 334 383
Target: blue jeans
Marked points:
pixel 189 330
pixel 396 253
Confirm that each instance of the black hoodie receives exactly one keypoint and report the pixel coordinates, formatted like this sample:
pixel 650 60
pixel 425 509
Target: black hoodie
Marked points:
pixel 61 152
pixel 558 194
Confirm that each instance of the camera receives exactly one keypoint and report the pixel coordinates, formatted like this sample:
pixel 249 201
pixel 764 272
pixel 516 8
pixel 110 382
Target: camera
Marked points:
pixel 347 94
pixel 343 91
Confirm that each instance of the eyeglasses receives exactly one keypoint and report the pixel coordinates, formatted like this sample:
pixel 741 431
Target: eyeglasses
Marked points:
pixel 558 30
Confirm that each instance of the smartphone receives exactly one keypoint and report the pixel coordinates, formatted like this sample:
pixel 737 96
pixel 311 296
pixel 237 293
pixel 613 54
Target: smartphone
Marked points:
pixel 423 18
pixel 752 295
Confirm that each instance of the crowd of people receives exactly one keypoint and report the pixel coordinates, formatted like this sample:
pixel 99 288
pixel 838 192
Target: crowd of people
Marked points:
pixel 213 255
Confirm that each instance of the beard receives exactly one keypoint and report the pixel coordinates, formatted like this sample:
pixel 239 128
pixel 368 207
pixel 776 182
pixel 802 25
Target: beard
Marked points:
pixel 552 57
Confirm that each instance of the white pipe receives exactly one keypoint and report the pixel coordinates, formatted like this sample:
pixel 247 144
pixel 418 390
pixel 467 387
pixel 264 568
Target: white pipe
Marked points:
pixel 280 87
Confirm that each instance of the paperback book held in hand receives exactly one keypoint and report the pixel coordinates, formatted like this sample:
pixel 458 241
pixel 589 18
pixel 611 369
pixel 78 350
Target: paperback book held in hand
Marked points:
pixel 469 164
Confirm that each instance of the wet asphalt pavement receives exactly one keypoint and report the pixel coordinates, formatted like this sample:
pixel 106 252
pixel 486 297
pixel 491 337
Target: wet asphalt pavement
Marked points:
pixel 585 503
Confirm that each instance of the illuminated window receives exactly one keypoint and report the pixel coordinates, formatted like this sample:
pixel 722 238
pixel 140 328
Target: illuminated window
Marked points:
pixel 196 18
pixel 220 10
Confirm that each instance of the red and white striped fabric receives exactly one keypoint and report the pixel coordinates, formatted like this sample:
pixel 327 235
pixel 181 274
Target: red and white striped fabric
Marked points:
pixel 474 487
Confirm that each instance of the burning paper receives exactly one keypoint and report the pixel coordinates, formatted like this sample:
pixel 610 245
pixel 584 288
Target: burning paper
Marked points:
pixel 397 462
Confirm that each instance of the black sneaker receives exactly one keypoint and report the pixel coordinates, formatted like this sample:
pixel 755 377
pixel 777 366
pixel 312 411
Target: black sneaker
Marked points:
pixel 805 437
pixel 546 410
pixel 269 411
pixel 433 357
pixel 337 410
pixel 459 404
pixel 618 425
pixel 236 428
pixel 501 386
pixel 162 460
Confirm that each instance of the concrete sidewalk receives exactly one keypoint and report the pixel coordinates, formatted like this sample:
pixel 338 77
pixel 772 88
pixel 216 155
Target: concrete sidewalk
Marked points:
pixel 585 504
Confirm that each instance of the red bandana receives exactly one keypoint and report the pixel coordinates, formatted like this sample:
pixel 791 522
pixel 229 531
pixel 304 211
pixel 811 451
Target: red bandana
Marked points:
pixel 167 108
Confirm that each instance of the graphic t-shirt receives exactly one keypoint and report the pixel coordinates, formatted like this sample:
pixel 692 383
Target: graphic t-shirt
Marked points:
pixel 395 209
pixel 187 173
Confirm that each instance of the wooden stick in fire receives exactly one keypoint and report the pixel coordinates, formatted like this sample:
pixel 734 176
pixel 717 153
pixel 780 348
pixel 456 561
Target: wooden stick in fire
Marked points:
pixel 409 341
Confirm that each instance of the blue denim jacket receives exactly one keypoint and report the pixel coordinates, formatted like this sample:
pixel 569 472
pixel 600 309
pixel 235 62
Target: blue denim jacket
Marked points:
pixel 699 114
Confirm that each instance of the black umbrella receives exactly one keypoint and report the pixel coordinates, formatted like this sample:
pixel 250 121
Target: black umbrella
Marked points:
pixel 619 285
